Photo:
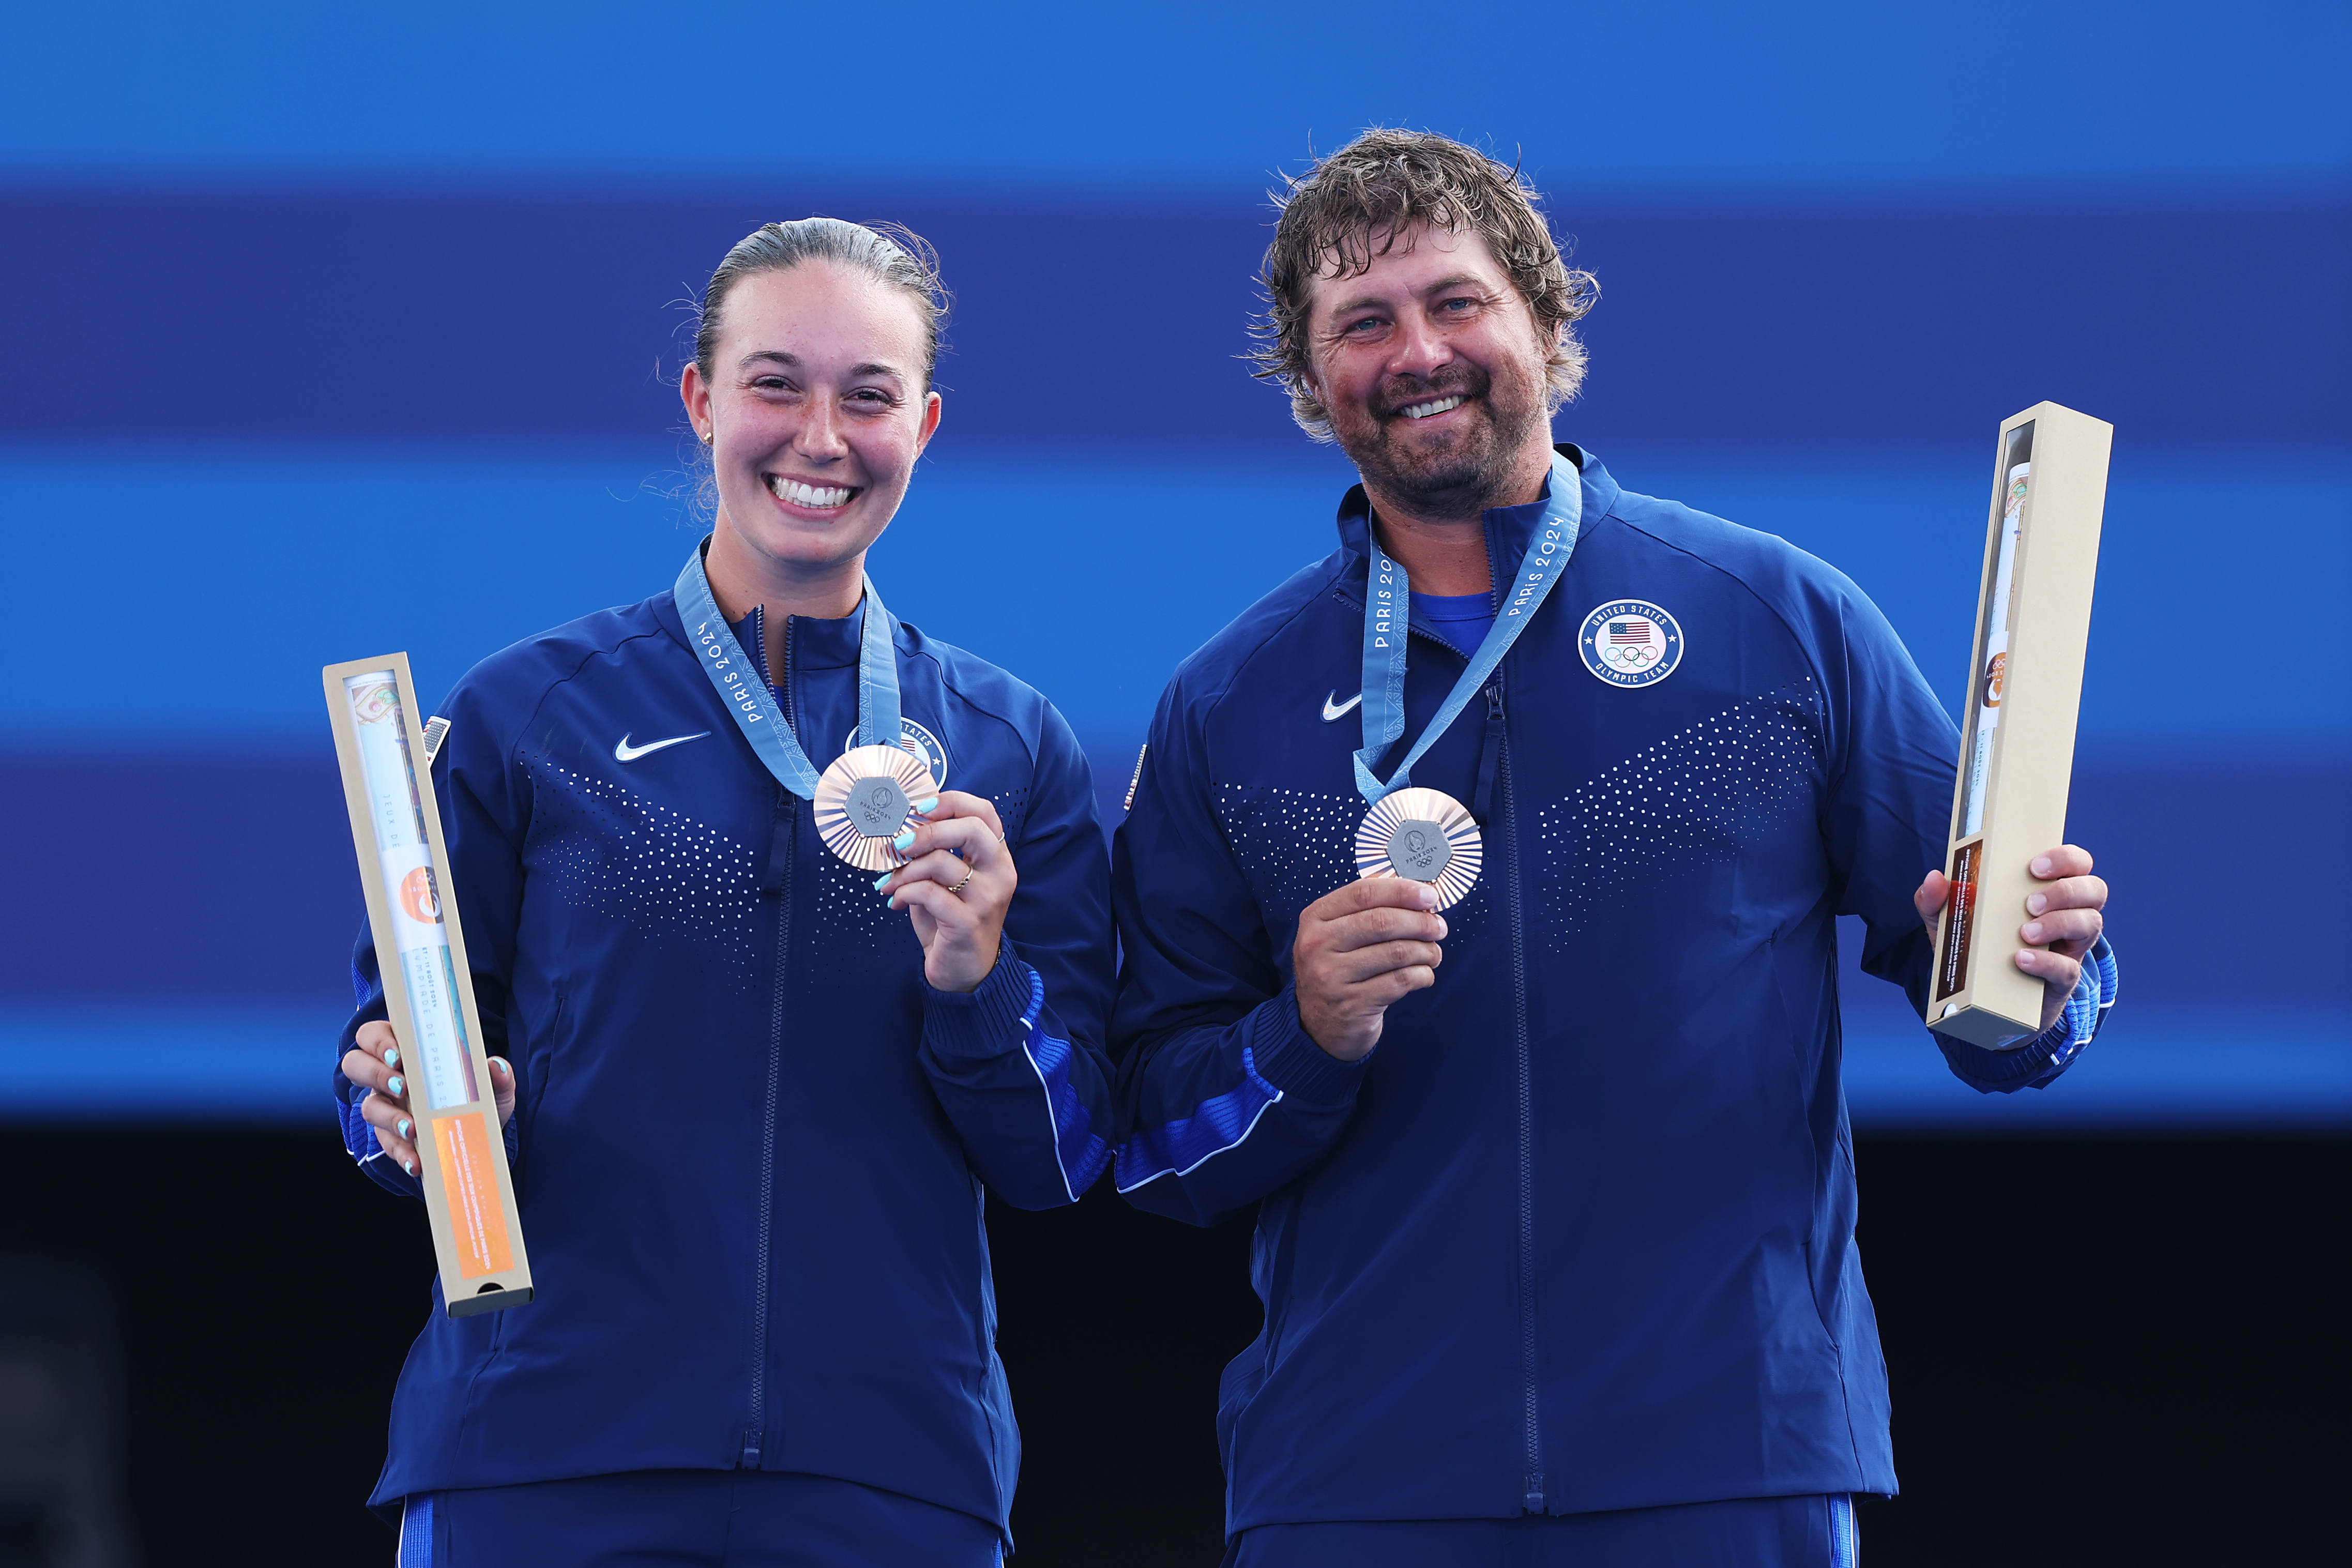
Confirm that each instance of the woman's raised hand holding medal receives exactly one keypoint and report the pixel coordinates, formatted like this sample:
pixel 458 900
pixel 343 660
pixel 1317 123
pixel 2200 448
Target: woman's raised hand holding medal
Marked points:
pixel 956 885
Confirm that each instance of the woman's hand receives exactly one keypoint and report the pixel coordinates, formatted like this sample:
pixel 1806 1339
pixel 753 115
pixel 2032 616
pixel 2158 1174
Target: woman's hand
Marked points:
pixel 957 904
pixel 374 1064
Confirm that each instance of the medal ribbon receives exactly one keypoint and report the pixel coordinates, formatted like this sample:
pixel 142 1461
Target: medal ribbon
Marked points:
pixel 1388 612
pixel 757 715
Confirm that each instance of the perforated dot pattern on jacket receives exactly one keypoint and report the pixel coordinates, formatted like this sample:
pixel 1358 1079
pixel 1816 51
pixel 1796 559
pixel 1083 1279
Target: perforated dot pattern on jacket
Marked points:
pixel 1293 845
pixel 1694 799
pixel 602 846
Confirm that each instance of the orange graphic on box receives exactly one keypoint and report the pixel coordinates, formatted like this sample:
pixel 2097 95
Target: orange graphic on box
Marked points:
pixel 421 897
pixel 473 1191
pixel 1995 672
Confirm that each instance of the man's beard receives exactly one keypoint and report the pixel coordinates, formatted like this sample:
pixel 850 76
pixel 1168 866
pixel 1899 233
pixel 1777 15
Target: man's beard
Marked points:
pixel 1457 477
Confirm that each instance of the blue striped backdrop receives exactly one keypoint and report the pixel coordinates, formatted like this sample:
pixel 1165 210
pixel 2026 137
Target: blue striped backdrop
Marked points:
pixel 278 278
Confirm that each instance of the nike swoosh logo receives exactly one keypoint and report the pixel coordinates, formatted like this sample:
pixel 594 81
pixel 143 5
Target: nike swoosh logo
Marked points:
pixel 1334 712
pixel 624 752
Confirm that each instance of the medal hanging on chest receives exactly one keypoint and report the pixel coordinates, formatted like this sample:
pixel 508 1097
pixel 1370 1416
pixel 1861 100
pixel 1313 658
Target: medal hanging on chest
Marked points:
pixel 866 798
pixel 1427 835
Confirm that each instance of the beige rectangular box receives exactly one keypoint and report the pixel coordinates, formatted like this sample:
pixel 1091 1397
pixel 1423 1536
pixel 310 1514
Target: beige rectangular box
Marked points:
pixel 2025 691
pixel 420 950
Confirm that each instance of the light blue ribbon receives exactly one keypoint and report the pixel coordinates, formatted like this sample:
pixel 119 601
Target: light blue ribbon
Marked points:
pixel 1388 615
pixel 747 697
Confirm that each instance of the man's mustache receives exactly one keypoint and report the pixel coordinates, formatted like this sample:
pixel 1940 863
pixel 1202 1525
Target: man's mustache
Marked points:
pixel 1468 383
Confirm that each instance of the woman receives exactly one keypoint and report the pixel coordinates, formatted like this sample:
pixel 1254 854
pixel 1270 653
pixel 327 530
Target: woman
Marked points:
pixel 756 1089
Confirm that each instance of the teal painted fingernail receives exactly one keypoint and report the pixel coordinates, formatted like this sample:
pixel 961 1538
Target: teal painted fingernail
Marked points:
pixel 392 1057
pixel 404 1125
pixel 904 842
pixel 397 1085
pixel 927 807
pixel 882 881
pixel 409 1165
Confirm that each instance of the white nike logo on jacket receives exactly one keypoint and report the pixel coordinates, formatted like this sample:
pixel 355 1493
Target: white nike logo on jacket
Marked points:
pixel 1333 711
pixel 623 752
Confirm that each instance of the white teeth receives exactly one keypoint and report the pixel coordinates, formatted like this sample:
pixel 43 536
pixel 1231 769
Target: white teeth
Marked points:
pixel 811 495
pixel 1423 410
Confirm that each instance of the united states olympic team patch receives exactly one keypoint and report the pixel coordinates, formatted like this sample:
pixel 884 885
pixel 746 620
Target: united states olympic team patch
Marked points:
pixel 926 747
pixel 1631 643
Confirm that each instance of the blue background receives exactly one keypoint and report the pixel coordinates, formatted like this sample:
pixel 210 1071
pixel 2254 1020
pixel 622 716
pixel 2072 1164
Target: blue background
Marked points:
pixel 332 332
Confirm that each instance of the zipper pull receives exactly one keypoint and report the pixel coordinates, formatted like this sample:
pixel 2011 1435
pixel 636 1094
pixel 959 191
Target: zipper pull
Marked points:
pixel 773 875
pixel 1490 752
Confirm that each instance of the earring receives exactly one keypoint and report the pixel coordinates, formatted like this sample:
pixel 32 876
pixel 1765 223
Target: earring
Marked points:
pixel 711 436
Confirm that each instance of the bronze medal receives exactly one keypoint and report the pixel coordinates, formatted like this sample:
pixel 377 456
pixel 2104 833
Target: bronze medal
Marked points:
pixel 1421 835
pixel 865 799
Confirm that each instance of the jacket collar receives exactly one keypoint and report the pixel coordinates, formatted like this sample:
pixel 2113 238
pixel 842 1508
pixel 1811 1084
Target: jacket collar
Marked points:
pixel 1509 528
pixel 816 644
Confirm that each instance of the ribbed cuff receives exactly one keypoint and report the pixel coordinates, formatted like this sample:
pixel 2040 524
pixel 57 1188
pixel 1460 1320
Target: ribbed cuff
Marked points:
pixel 2037 1062
pixel 988 1021
pixel 1999 1071
pixel 1287 1056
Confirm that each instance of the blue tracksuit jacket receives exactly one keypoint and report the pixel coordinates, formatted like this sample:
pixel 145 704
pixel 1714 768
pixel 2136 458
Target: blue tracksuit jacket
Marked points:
pixel 751 1140
pixel 1579 1234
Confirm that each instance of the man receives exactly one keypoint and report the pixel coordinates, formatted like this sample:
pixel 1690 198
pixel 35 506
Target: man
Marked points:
pixel 1556 1240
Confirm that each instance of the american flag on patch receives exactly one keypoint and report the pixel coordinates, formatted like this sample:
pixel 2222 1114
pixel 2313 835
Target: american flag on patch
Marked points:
pixel 1631 631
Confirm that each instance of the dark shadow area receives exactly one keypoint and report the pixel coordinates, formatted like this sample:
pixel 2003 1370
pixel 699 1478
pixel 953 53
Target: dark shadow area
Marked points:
pixel 2105 1350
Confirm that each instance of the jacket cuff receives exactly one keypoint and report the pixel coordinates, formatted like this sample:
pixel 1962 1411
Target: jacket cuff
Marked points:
pixel 990 1019
pixel 1287 1056
pixel 2037 1064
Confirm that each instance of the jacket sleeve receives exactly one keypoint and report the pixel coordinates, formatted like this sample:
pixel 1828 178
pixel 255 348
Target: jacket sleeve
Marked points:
pixel 483 818
pixel 1018 1064
pixel 1889 812
pixel 1223 1097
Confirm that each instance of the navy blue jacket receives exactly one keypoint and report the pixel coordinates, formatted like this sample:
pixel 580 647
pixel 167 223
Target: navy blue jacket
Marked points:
pixel 751 1141
pixel 1579 1234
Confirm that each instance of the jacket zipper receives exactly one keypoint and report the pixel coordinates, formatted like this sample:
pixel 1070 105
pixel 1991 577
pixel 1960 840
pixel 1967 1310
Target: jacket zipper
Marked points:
pixel 756 1425
pixel 1533 1478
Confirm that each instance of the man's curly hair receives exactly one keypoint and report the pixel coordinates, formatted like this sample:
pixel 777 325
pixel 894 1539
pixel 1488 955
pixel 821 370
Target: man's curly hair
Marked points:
pixel 1356 204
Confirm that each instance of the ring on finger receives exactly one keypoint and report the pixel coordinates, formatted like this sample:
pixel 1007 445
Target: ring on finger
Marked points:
pixel 958 888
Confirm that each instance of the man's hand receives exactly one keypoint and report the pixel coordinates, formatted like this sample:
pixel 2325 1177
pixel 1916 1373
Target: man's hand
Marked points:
pixel 2065 914
pixel 1359 952
pixel 957 904
pixel 374 1064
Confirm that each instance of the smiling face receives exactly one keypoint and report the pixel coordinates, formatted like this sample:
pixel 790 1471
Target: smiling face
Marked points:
pixel 818 401
pixel 1432 370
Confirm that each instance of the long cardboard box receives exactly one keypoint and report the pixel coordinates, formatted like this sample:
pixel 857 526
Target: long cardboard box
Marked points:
pixel 420 949
pixel 2025 691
